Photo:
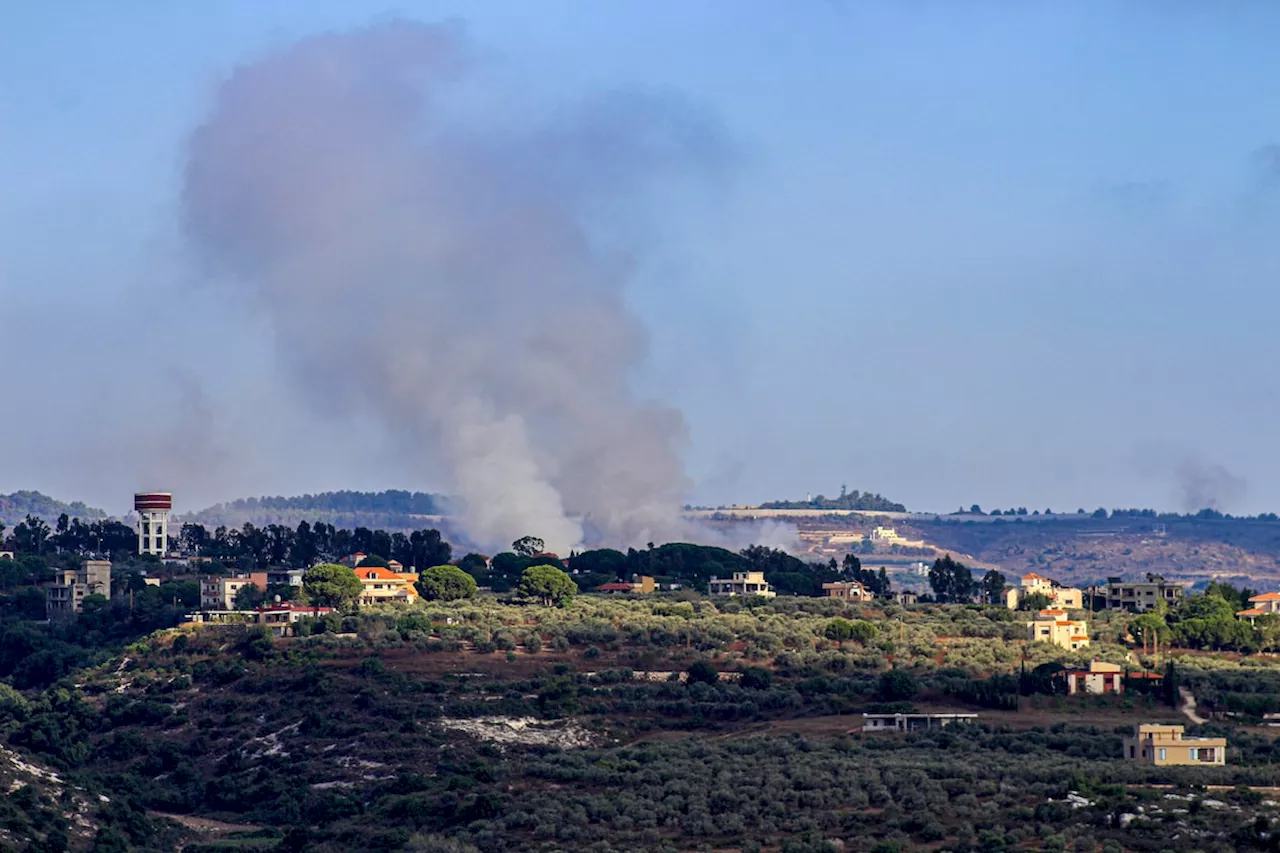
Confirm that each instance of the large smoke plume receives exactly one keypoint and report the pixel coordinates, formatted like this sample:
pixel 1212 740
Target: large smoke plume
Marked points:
pixel 463 286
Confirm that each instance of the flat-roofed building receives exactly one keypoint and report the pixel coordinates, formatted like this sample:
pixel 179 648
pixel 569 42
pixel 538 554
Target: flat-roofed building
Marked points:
pixel 848 591
pixel 1100 678
pixel 65 596
pixel 1142 596
pixel 1155 743
pixel 912 722
pixel 742 583
pixel 220 593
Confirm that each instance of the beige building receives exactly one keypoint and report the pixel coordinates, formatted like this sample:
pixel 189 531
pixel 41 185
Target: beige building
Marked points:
pixel 385 586
pixel 220 593
pixel 1053 626
pixel 848 591
pixel 742 583
pixel 1100 678
pixel 1162 745
pixel 66 594
pixel 640 585
pixel 1061 597
pixel 1261 605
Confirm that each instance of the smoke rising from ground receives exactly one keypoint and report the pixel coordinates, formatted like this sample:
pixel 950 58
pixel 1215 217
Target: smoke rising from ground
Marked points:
pixel 465 287
pixel 1208 485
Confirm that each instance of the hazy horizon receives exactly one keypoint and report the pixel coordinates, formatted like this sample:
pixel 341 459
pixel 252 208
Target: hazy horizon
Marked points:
pixel 951 253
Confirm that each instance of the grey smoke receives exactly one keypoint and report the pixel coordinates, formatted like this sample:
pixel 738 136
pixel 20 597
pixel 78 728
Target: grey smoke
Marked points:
pixel 463 284
pixel 1208 485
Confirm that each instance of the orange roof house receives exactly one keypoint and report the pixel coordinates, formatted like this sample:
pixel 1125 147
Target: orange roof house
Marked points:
pixel 381 586
pixel 1261 605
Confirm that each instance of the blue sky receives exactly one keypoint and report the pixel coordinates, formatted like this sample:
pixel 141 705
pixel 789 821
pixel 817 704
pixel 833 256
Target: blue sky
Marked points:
pixel 1014 254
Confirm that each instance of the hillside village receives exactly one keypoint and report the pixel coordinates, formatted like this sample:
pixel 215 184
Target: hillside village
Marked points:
pixel 1132 682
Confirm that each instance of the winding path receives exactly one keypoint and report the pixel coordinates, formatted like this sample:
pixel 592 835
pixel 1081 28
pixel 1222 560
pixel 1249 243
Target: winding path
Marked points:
pixel 1189 706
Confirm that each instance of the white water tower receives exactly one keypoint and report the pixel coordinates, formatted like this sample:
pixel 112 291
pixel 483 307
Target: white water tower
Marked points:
pixel 153 521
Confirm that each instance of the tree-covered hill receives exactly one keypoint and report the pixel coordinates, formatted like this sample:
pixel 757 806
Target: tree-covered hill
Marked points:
pixel 609 725
pixel 20 504
pixel 855 500
pixel 392 509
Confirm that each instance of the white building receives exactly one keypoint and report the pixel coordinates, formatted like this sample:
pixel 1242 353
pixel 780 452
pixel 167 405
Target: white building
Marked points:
pixel 153 521
pixel 911 722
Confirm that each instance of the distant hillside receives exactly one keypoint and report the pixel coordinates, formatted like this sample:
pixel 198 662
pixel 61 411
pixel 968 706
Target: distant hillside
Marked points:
pixel 866 501
pixel 1188 549
pixel 17 506
pixel 389 510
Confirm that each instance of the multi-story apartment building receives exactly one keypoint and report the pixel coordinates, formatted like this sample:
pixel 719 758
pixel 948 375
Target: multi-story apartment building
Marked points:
pixel 1053 626
pixel 66 594
pixel 1142 596
pixel 1062 597
pixel 1153 743
pixel 742 583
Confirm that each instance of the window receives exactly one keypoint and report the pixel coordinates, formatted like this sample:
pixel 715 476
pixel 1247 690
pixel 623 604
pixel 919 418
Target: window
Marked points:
pixel 1132 751
pixel 1163 754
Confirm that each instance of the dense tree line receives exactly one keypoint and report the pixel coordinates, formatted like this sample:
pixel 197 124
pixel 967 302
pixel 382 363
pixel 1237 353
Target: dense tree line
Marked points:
pixel 855 500
pixel 391 509
pixel 67 535
pixel 306 544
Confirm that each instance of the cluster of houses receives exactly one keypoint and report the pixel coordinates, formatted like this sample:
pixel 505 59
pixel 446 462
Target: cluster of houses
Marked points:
pixel 378 585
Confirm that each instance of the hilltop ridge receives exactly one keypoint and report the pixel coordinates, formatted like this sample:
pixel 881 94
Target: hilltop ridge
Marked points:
pixel 18 505
pixel 392 509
